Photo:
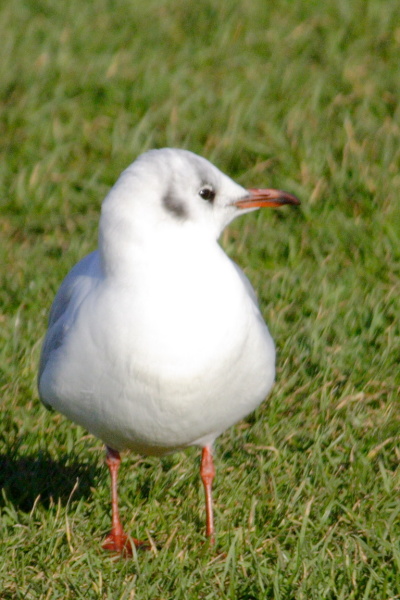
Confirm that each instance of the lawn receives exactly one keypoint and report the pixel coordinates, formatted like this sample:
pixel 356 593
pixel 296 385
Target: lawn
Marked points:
pixel 303 96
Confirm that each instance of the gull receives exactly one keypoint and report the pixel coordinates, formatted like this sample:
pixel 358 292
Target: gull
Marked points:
pixel 155 340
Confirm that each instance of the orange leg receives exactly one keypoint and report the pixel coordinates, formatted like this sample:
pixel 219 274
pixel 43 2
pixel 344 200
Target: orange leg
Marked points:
pixel 117 540
pixel 207 473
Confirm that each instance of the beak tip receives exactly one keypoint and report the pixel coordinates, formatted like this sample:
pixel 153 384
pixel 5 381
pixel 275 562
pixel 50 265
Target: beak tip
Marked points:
pixel 294 200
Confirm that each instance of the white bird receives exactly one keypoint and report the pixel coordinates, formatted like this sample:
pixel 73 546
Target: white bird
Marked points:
pixel 155 341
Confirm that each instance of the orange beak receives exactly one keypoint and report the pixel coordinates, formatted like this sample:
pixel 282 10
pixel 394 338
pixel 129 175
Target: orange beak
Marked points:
pixel 266 197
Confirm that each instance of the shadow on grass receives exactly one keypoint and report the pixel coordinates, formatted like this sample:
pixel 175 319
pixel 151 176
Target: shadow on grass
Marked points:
pixel 24 478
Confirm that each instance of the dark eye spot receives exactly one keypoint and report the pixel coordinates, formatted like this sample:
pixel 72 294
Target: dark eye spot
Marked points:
pixel 174 206
pixel 207 193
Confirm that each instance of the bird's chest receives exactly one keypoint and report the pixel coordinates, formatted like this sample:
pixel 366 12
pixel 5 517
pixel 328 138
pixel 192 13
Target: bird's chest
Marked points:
pixel 170 326
pixel 164 355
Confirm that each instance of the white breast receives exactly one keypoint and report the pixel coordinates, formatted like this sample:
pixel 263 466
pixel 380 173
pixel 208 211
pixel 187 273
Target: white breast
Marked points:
pixel 163 361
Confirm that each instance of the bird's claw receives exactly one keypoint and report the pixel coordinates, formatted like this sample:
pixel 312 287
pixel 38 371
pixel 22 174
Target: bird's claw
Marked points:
pixel 122 544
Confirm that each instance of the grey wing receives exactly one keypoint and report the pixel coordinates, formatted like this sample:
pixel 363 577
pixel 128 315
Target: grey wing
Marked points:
pixel 77 282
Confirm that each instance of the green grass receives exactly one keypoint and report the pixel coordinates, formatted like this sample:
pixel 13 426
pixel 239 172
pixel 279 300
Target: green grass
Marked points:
pixel 297 95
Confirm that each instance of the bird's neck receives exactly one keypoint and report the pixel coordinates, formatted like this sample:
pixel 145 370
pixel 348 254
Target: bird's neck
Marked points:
pixel 169 251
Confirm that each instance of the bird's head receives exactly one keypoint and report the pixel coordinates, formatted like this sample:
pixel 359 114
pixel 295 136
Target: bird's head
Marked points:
pixel 169 191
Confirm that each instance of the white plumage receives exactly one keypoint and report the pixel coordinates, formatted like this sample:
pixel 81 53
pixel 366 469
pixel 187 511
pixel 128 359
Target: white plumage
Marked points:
pixel 155 340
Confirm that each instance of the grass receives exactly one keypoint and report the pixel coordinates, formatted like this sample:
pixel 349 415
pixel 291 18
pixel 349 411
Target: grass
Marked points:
pixel 302 96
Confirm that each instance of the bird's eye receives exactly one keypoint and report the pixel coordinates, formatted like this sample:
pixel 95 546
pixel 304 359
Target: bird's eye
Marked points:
pixel 207 193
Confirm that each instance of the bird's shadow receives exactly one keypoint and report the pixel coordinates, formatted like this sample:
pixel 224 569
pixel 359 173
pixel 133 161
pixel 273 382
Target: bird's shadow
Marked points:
pixel 25 478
